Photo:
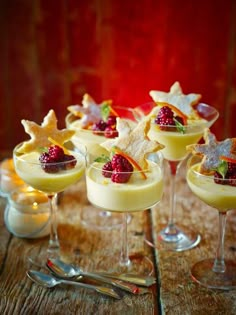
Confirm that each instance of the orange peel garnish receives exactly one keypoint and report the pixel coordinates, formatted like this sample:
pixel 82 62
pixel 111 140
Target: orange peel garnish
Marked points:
pixel 175 109
pixel 113 112
pixel 227 159
pixel 131 160
pixel 58 144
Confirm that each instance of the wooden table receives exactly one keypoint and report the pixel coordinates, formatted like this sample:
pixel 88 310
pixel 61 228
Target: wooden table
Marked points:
pixel 174 292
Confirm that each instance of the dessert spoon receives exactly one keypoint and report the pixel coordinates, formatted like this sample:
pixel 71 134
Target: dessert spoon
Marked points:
pixel 63 270
pixel 49 281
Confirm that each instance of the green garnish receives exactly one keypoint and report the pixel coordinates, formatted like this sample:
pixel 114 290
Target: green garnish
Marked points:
pixel 179 126
pixel 102 159
pixel 222 168
pixel 105 110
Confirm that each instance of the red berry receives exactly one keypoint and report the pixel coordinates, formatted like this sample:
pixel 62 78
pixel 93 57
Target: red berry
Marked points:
pixel 120 178
pixel 232 180
pixel 47 164
pixel 56 153
pixel 111 120
pixel 99 127
pixel 218 179
pixel 231 168
pixel 111 132
pixel 179 119
pixel 121 162
pixel 70 162
pixel 107 169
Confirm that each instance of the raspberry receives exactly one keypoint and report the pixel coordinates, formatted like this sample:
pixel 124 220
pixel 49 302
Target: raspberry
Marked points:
pixel 110 132
pixel 218 179
pixel 179 119
pixel 232 180
pixel 111 120
pixel 165 112
pixel 56 153
pixel 47 163
pixel 231 168
pixel 70 162
pixel 100 126
pixel 120 178
pixel 118 161
pixel 107 169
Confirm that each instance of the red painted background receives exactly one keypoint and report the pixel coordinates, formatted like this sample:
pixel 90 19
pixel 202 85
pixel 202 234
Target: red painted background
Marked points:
pixel 54 51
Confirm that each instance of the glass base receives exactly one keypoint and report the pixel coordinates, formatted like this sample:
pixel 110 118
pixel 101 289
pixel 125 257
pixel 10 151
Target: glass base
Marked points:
pixel 138 264
pixel 202 273
pixel 176 239
pixel 100 219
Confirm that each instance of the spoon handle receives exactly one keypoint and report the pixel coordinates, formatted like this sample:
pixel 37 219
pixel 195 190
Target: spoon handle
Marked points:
pixel 132 288
pixel 100 289
pixel 145 281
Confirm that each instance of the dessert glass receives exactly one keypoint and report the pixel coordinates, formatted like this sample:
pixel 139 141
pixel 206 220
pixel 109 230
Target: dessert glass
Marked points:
pixel 172 237
pixel 137 194
pixel 28 168
pixel 97 218
pixel 218 272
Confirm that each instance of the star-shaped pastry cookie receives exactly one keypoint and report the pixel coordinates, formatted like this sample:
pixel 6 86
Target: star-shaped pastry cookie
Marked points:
pixel 212 150
pixel 40 133
pixel 134 142
pixel 176 97
pixel 89 113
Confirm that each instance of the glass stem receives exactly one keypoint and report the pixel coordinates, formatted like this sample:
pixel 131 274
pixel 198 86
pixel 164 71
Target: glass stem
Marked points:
pixel 54 246
pixel 124 256
pixel 219 263
pixel 174 165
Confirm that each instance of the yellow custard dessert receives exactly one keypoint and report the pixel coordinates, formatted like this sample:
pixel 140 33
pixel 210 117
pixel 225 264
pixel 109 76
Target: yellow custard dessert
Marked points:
pixel 175 142
pixel 29 169
pixel 135 195
pixel 87 137
pixel 221 197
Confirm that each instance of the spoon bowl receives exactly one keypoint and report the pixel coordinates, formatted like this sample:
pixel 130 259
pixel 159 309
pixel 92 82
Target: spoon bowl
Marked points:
pixel 50 281
pixel 63 270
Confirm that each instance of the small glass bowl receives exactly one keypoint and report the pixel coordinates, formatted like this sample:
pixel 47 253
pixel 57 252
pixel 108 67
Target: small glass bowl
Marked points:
pixel 27 213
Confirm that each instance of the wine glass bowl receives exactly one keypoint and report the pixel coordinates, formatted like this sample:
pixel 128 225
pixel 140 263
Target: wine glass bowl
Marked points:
pixel 137 194
pixel 50 178
pixel 218 272
pixel 90 216
pixel 175 141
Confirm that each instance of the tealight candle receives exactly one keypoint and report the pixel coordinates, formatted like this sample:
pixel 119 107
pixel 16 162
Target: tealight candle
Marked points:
pixel 9 180
pixel 27 213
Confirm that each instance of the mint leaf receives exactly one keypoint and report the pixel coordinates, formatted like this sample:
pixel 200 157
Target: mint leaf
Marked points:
pixel 105 110
pixel 222 168
pixel 102 159
pixel 179 126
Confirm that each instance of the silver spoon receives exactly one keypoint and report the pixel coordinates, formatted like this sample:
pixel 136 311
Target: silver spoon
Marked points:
pixel 49 281
pixel 63 270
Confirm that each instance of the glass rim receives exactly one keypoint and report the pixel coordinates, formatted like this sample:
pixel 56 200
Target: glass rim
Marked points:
pixel 74 151
pixel 153 164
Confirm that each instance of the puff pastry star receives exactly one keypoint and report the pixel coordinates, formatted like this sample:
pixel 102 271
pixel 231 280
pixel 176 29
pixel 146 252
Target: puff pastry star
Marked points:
pixel 134 142
pixel 40 133
pixel 89 113
pixel 212 150
pixel 176 97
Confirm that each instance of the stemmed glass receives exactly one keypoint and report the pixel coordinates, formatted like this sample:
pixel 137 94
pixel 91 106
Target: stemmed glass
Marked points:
pixel 217 273
pixel 28 167
pixel 138 194
pixel 98 218
pixel 173 237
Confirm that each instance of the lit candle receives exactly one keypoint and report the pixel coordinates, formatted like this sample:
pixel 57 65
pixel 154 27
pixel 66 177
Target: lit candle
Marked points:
pixel 27 213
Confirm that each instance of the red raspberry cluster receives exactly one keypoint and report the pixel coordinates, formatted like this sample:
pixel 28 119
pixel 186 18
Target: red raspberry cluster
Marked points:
pixel 108 128
pixel 55 160
pixel 230 175
pixel 119 169
pixel 166 118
